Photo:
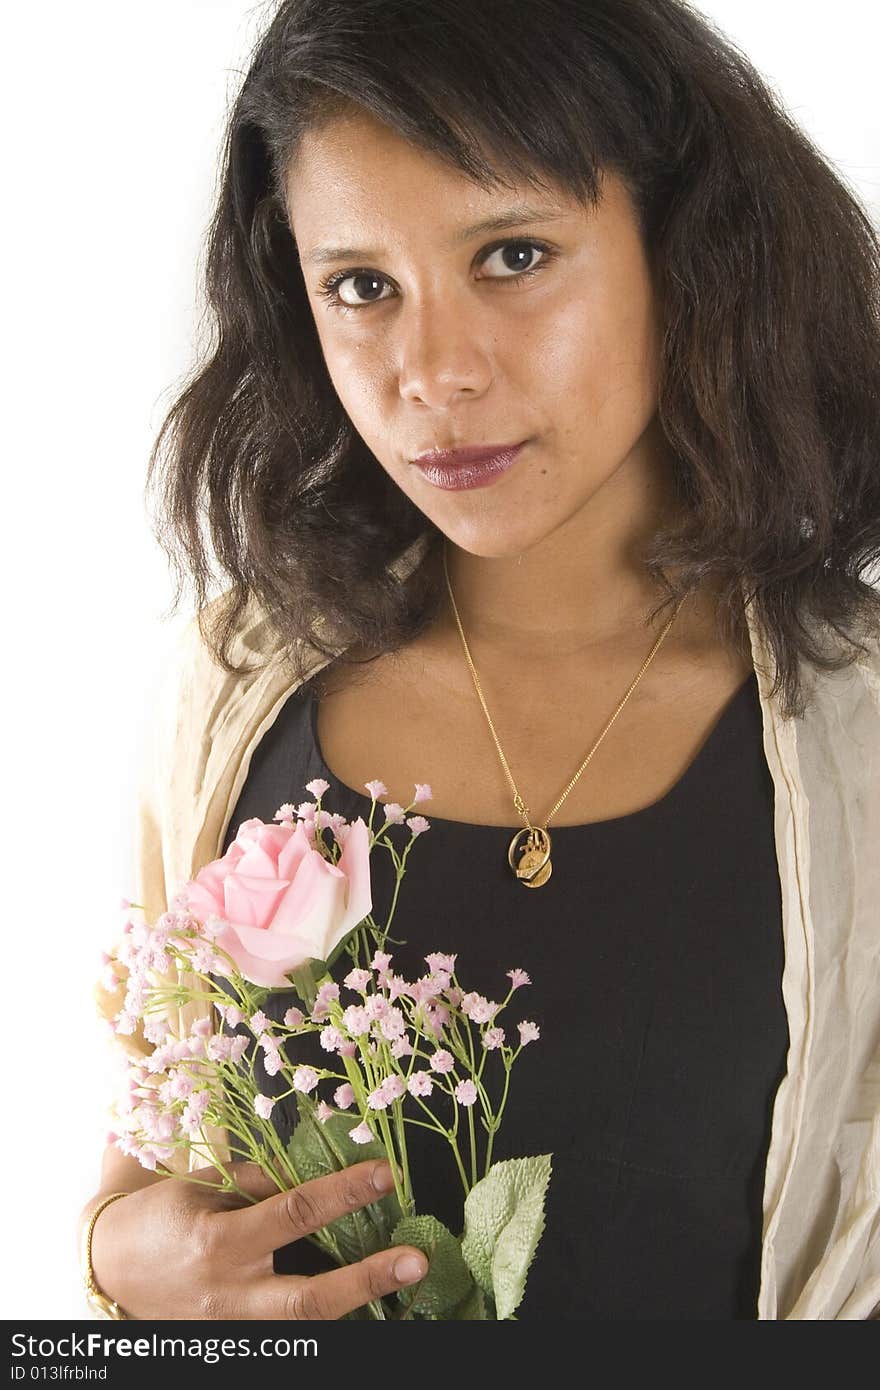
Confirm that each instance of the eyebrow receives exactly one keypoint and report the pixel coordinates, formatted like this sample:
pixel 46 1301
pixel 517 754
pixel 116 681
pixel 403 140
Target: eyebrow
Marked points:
pixel 514 217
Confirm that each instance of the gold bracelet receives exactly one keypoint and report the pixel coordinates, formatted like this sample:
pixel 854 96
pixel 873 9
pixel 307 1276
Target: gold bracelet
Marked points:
pixel 100 1304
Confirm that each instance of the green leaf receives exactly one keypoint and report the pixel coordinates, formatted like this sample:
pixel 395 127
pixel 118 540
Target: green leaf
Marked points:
pixel 317 1148
pixel 448 1281
pixel 503 1222
pixel 471 1309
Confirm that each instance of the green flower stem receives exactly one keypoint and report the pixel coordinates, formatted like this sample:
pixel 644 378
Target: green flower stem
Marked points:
pixel 404 1156
pixel 509 1067
pixel 405 1203
pixel 473 1139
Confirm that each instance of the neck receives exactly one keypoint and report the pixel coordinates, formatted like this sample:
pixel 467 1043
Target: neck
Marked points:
pixel 578 589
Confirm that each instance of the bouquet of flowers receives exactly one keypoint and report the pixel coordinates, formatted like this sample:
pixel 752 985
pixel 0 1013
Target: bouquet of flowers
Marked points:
pixel 289 908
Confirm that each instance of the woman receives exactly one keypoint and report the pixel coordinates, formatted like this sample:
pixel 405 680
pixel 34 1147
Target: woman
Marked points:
pixel 584 245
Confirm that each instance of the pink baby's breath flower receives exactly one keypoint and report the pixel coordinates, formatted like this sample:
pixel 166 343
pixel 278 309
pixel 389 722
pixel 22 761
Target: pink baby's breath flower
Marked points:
pixel 376 789
pixel 193 1112
pixel 344 1096
pixel 305 1079
pixel 317 786
pixel 219 1048
pixel 259 1022
pixel 356 1020
pixel 273 1062
pixel 493 1037
pixel 390 1089
pixel 234 1015
pixel 264 1106
pixel 306 810
pixel 420 1084
pixel 394 812
pixel 213 926
pixel 437 960
pixel 357 980
pixel 267 1042
pixel 423 792
pixel 326 994
pixel 293 1018
pixel 518 978
pixel 205 959
pixel 422 989
pixel 160 1057
pixel 238 1048
pixel 331 1039
pixel 109 979
pixel 339 826
pixel 454 995
pixel 323 1112
pixel 442 1061
pixel 155 1030
pixel 380 962
pixel 402 1047
pixel 392 1024
pixel 202 1028
pixel 465 1093
pixel 478 1008
pixel 418 825
pixel 394 1086
pixel 377 1099
pixel 347 1049
pixel 362 1134
pixel 376 1006
pixel 396 986
pixel 528 1032
pixel 285 812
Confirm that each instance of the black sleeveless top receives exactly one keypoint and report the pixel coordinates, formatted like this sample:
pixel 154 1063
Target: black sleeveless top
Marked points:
pixel 655 951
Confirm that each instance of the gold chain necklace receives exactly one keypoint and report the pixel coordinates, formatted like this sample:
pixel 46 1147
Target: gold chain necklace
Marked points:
pixel 532 843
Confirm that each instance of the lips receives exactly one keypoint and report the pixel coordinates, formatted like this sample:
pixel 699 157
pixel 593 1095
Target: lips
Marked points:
pixel 454 470
pixel 476 453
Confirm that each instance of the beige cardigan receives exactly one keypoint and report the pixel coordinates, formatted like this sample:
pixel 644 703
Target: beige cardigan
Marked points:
pixel 821 1237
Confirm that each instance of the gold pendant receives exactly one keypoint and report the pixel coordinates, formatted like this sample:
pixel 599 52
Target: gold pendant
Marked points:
pixel 534 867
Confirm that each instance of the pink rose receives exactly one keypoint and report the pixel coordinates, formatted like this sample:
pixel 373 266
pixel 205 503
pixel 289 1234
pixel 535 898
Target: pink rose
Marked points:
pixel 282 902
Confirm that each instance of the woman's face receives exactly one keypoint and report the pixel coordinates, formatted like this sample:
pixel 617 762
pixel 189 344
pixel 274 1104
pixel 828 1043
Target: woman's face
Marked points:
pixel 435 339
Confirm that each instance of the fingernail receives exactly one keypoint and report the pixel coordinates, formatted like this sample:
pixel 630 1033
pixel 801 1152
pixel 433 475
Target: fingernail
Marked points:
pixel 383 1178
pixel 409 1268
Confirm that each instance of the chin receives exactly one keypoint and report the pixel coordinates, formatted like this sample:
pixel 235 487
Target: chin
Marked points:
pixel 493 538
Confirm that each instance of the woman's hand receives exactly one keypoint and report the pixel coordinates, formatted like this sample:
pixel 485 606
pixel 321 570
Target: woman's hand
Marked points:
pixel 173 1249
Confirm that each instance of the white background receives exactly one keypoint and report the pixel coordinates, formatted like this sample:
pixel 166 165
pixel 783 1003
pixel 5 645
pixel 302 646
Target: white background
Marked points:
pixel 112 128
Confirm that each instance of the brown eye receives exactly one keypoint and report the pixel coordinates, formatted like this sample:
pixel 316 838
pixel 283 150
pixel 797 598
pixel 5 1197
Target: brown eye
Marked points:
pixel 364 286
pixel 515 257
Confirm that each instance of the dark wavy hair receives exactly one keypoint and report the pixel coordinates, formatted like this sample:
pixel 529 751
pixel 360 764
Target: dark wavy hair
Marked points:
pixel 767 271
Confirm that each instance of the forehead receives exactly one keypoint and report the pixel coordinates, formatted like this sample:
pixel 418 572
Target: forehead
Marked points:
pixel 355 169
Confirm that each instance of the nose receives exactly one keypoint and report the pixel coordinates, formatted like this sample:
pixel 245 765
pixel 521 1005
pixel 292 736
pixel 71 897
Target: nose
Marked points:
pixel 443 355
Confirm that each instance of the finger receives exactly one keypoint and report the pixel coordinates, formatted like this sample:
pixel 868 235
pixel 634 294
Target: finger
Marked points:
pixel 250 1178
pixel 340 1291
pixel 302 1210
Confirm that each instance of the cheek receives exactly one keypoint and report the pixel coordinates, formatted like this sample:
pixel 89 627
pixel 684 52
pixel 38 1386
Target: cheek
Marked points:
pixel 599 361
pixel 357 373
